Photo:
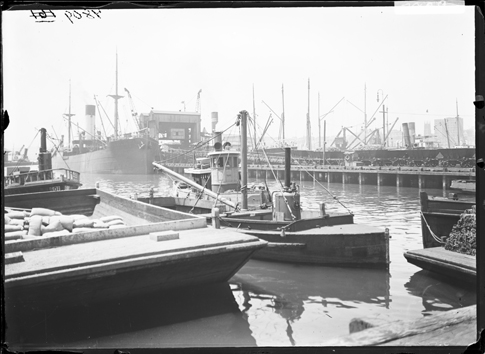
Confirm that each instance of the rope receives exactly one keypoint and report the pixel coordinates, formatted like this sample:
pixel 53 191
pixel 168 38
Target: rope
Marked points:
pixel 436 238
pixel 57 150
pixel 200 195
pixel 333 197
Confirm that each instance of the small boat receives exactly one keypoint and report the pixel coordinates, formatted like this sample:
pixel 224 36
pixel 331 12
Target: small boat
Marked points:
pixel 152 249
pixel 464 185
pixel 217 178
pixel 438 216
pixel 26 180
pixel 295 235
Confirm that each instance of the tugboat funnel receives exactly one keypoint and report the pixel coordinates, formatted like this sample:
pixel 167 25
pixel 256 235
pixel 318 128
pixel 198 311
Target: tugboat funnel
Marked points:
pixel 287 168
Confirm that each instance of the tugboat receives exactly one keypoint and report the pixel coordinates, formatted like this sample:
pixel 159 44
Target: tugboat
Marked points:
pixel 217 178
pixel 43 180
pixel 295 235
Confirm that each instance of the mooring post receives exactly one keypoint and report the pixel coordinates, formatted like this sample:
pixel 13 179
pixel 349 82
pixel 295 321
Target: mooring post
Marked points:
pixel 216 223
pixel 322 209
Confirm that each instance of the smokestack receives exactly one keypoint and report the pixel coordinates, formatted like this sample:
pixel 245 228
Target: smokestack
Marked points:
pixel 405 130
pixel 90 121
pixel 214 120
pixel 44 158
pixel 217 141
pixel 287 167
pixel 412 133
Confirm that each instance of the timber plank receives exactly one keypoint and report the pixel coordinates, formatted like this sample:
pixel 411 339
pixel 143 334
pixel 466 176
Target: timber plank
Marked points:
pixel 453 327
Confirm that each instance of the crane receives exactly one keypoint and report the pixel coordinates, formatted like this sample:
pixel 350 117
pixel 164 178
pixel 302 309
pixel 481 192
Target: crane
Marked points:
pixel 133 110
pixel 197 104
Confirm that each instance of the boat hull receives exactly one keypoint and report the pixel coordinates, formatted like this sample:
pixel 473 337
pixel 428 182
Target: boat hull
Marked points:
pixel 125 156
pixel 334 240
pixel 343 245
pixel 137 276
pixel 439 215
pixel 453 265
pixel 106 264
pixel 79 201
pixel 48 186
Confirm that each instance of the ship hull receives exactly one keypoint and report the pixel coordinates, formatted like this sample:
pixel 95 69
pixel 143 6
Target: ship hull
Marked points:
pixel 126 156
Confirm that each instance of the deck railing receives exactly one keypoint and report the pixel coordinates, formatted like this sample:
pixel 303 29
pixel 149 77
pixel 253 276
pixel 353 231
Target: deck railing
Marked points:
pixel 62 174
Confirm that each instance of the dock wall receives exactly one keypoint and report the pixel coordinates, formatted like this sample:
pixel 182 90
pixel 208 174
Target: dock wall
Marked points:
pixel 414 177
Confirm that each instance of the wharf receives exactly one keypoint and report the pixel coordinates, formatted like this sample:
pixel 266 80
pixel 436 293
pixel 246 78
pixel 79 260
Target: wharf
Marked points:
pixel 399 176
pixel 457 327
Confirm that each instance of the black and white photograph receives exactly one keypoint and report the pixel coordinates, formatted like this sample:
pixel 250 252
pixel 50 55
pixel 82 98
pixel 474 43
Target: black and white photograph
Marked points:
pixel 240 177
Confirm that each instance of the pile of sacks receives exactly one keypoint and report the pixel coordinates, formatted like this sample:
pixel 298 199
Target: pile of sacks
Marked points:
pixel 42 222
pixel 463 237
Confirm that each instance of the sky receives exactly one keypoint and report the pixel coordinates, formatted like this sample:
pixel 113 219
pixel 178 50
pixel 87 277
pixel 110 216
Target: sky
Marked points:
pixel 421 59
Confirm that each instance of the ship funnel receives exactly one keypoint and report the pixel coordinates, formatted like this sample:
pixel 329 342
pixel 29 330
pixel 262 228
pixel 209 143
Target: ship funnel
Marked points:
pixel 286 204
pixel 217 141
pixel 214 120
pixel 287 167
pixel 90 119
pixel 412 133
pixel 45 158
pixel 407 139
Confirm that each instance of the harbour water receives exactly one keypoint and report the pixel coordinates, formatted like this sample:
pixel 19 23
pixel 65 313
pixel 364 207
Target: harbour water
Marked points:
pixel 265 303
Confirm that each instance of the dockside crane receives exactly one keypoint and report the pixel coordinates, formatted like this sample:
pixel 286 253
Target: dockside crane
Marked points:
pixel 197 104
pixel 134 114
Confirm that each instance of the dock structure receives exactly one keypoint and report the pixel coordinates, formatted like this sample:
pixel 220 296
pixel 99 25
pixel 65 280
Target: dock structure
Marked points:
pixel 398 176
pixel 455 327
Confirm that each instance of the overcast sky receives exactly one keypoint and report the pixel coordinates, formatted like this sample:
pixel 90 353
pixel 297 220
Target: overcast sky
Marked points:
pixel 423 62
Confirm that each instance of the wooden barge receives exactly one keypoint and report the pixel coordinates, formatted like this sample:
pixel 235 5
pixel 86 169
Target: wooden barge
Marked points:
pixel 158 250
pixel 438 216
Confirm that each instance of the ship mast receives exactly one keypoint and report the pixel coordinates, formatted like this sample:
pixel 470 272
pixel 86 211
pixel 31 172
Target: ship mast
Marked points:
pixel 69 115
pixel 244 162
pixel 457 123
pixel 254 121
pixel 365 114
pixel 282 127
pixel 116 97
pixel 308 126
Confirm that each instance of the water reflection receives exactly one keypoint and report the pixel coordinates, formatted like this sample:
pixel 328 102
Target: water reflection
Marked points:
pixel 438 294
pixel 289 291
pixel 158 320
pixel 279 304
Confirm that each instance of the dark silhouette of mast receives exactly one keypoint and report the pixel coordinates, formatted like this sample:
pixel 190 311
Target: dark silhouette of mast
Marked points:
pixel 116 97
pixel 69 115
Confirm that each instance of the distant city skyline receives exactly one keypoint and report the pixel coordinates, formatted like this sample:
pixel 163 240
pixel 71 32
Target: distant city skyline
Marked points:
pixel 374 56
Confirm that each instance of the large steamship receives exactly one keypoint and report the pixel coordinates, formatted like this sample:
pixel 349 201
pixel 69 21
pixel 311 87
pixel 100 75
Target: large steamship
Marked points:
pixel 131 153
pixel 128 154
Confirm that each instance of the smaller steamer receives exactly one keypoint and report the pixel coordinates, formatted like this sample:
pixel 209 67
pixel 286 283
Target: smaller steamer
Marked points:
pixel 316 238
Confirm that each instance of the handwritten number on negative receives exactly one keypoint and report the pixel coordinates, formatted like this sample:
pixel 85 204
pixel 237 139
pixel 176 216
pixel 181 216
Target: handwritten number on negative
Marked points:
pixel 42 15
